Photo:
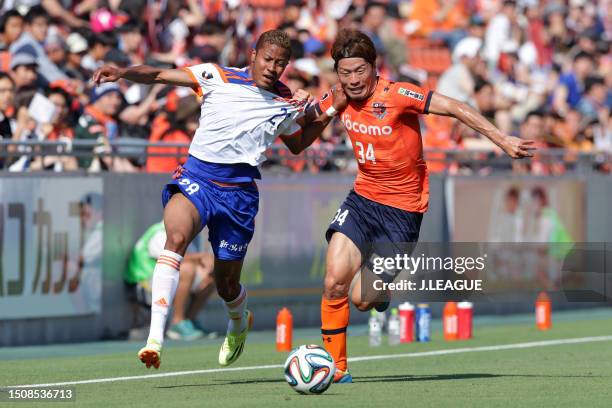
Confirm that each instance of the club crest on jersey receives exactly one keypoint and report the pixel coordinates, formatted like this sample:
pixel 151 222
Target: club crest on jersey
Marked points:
pixel 207 75
pixel 379 109
pixel 410 94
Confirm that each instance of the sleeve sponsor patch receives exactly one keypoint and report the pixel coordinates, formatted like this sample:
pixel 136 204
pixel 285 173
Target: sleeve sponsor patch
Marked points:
pixel 411 94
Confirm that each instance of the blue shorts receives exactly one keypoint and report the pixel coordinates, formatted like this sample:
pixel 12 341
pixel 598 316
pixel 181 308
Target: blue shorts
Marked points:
pixel 375 227
pixel 229 212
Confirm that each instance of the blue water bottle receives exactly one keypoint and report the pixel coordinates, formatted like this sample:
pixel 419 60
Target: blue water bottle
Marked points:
pixel 423 322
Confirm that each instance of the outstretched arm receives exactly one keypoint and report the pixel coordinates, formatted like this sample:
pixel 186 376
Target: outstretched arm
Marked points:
pixel 512 146
pixel 143 74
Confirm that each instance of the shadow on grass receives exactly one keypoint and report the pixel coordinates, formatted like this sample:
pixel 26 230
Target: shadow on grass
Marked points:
pixel 463 376
pixel 388 378
pixel 223 382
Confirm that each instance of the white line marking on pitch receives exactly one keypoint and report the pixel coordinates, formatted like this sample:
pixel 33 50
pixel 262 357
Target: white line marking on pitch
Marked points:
pixel 354 359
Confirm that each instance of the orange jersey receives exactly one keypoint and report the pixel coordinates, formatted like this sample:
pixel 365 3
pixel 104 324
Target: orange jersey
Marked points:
pixel 386 138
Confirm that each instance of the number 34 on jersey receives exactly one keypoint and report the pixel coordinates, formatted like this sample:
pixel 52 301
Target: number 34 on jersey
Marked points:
pixel 365 153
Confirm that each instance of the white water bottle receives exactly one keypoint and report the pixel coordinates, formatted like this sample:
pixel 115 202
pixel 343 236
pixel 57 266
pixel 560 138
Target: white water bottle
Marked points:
pixel 375 330
pixel 382 318
pixel 393 326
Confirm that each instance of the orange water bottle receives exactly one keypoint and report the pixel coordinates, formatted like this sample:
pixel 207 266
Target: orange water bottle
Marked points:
pixel 284 330
pixel 449 321
pixel 543 311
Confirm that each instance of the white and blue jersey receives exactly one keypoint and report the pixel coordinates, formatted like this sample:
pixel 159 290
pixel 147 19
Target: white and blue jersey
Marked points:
pixel 238 122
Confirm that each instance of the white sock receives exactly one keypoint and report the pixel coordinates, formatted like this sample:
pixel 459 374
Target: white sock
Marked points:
pixel 165 281
pixel 235 310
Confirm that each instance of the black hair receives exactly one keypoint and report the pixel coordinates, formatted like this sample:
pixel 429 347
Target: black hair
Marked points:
pixel 12 13
pixel 480 83
pixel 513 192
pixel 540 193
pixel 274 37
pixel 353 44
pixel 57 90
pixel 583 54
pixel 538 113
pixel 5 75
pixel 592 81
pixel 372 4
pixel 35 12
pixel 102 38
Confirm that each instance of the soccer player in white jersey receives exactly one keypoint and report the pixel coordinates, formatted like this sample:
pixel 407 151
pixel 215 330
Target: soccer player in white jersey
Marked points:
pixel 243 112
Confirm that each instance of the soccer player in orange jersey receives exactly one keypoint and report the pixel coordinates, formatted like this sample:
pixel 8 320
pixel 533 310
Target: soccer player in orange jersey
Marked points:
pixel 391 190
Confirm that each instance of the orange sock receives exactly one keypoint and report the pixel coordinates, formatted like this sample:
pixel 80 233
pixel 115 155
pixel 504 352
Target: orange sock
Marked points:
pixel 334 321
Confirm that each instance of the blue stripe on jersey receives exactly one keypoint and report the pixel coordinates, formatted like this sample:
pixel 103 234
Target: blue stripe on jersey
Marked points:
pixel 242 73
pixel 243 77
pixel 223 172
pixel 240 81
pixel 238 76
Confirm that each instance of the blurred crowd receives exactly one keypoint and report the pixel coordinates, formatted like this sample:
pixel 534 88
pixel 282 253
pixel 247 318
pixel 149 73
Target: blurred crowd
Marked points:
pixel 538 69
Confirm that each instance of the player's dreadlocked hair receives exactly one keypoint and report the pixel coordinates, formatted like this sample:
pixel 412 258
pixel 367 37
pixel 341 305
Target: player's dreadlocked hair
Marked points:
pixel 274 37
pixel 353 44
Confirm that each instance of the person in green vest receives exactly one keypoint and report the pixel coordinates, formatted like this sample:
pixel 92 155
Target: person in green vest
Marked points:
pixel 196 282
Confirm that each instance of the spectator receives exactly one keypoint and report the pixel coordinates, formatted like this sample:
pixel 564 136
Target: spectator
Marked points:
pixel 25 129
pixel 24 70
pixel 11 27
pixel 484 98
pixel 534 128
pixel 130 42
pixel 181 124
pixel 571 85
pixel 135 118
pixel 602 137
pixel 499 32
pixel 99 46
pixel 458 81
pixel 32 40
pixel 440 20
pixel 537 34
pixel 371 22
pixel 571 133
pixel 98 123
pixel 60 129
pixel 77 49
pixel 55 47
pixel 594 103
pixel 7 93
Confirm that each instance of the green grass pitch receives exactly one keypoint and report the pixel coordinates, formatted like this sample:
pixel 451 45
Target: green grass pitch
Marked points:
pixel 562 375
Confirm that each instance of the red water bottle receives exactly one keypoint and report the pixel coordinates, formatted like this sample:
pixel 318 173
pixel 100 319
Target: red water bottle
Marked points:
pixel 464 320
pixel 284 330
pixel 406 315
